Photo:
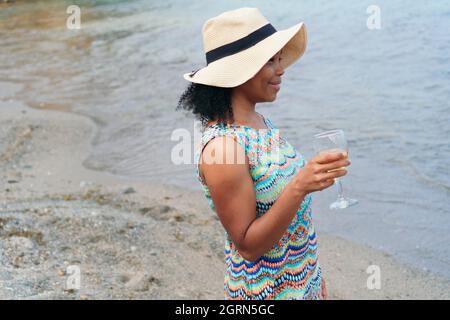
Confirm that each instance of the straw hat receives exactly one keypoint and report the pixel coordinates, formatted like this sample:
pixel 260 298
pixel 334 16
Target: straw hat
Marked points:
pixel 238 43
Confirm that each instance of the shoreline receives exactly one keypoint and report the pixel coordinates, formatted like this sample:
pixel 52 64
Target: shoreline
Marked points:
pixel 130 239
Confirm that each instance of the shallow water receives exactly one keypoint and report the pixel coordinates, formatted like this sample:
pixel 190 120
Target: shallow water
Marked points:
pixel 388 89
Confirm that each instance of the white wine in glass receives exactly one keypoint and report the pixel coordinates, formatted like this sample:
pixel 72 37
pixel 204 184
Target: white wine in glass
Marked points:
pixel 334 141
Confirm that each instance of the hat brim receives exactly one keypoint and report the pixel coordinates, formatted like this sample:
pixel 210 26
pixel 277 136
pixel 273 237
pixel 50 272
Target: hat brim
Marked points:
pixel 236 69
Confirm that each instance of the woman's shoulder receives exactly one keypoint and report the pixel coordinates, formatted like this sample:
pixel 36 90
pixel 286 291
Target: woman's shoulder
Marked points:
pixel 219 130
pixel 224 136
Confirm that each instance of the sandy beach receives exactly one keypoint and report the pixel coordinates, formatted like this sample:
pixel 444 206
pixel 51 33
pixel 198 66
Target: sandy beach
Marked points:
pixel 129 239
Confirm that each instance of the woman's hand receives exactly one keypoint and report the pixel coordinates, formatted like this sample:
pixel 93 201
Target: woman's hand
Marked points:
pixel 324 290
pixel 314 176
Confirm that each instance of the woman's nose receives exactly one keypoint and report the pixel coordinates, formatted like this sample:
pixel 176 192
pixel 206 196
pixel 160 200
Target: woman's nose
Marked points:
pixel 279 70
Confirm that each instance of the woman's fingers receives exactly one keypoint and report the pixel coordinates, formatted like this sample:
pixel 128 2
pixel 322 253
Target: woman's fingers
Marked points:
pixel 331 175
pixel 335 165
pixel 325 184
pixel 328 157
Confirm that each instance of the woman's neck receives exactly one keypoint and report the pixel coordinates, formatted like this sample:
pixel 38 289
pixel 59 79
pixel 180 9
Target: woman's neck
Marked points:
pixel 244 112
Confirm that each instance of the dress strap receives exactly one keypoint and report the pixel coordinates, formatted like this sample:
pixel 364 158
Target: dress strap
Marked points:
pixel 267 121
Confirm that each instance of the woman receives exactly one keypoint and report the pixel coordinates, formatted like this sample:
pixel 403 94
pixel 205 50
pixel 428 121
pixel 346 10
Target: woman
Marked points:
pixel 255 181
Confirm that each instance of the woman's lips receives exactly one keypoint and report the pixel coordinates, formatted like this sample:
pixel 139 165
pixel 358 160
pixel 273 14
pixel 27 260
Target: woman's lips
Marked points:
pixel 276 86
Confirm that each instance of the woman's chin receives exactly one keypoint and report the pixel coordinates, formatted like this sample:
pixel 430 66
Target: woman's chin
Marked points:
pixel 269 98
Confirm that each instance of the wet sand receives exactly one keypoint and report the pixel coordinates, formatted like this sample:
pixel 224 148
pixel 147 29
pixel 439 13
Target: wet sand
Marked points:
pixel 129 239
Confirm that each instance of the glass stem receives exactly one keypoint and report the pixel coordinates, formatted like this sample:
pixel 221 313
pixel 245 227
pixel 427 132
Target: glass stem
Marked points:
pixel 340 189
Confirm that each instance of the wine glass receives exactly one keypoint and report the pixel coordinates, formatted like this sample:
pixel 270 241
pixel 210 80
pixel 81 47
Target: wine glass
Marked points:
pixel 334 141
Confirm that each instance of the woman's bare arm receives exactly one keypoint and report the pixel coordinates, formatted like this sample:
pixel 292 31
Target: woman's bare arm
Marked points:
pixel 231 189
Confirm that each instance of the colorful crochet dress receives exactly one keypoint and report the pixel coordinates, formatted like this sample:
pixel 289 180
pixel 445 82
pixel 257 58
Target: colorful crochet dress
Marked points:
pixel 290 269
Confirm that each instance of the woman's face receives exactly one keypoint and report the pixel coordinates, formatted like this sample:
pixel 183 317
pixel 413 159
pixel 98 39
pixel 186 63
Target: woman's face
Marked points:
pixel 264 86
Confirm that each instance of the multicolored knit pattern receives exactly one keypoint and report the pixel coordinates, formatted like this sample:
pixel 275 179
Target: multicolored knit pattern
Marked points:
pixel 290 269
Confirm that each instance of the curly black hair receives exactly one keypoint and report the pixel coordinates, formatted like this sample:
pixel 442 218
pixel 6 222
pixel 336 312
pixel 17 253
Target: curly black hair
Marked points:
pixel 207 102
